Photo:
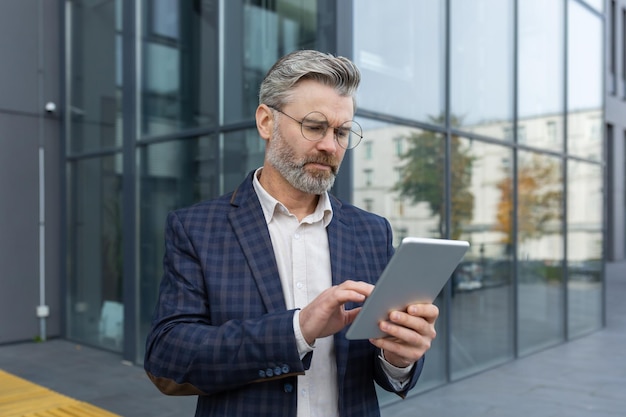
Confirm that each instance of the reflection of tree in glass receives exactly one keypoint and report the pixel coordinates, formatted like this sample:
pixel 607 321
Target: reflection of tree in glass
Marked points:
pixel 422 177
pixel 540 199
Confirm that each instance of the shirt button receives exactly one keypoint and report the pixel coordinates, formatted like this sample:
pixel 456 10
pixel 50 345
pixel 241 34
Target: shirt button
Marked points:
pixel 299 285
pixel 296 236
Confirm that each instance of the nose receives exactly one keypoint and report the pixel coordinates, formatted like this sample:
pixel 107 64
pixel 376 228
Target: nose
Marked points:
pixel 329 142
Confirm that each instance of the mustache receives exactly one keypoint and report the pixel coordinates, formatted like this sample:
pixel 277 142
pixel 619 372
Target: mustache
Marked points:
pixel 322 160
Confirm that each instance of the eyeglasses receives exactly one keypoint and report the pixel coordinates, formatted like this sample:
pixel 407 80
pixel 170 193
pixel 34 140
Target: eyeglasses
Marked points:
pixel 314 127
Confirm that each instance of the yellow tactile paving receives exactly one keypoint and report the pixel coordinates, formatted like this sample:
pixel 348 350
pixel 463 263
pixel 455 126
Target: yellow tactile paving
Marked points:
pixel 21 398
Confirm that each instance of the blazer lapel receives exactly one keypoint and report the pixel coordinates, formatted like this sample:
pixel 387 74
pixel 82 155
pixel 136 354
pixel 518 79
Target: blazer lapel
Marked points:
pixel 343 246
pixel 251 230
pixel 343 253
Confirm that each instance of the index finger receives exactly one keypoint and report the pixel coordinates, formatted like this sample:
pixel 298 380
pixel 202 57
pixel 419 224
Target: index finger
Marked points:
pixel 361 287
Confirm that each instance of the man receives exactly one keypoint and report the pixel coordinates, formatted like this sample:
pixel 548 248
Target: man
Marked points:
pixel 260 285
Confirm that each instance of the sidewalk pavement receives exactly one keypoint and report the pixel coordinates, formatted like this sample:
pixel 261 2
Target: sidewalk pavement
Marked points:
pixel 584 377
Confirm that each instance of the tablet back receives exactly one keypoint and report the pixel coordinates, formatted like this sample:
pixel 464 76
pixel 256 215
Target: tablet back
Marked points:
pixel 416 273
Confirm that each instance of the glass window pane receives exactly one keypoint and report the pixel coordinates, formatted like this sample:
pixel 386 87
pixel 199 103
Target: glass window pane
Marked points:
pixel 164 18
pixel 179 84
pixel 94 104
pixel 584 247
pixel 482 298
pixel 177 174
pixel 408 189
pixel 540 251
pixel 170 177
pixel 405 55
pixel 584 87
pixel 481 67
pixel 540 74
pixel 95 306
pixel 257 33
pixel 596 4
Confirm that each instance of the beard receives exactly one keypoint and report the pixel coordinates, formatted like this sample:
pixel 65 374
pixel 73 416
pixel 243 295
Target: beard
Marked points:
pixel 282 157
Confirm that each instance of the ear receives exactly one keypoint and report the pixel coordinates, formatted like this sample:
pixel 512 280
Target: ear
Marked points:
pixel 264 121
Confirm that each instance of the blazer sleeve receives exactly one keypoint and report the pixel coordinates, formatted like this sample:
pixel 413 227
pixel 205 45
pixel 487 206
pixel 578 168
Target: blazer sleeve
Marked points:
pixel 383 380
pixel 187 353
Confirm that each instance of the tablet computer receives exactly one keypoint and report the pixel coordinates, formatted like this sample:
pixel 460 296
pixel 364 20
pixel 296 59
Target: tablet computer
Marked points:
pixel 416 273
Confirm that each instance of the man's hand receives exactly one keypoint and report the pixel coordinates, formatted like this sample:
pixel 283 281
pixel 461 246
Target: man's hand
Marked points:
pixel 410 334
pixel 326 315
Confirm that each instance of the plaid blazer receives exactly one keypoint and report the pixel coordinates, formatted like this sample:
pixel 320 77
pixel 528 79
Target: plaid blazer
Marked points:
pixel 221 329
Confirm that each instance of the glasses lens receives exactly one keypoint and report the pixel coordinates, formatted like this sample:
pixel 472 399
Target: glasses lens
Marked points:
pixel 349 134
pixel 314 126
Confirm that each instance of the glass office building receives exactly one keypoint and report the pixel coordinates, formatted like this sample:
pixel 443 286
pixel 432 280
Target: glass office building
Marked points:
pixel 483 120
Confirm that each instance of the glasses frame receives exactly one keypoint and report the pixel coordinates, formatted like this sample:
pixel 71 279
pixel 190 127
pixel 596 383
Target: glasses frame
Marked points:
pixel 301 123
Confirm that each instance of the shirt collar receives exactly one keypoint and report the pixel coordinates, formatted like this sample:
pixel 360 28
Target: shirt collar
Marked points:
pixel 271 206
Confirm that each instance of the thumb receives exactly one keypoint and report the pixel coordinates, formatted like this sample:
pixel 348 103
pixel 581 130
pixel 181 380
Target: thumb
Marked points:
pixel 350 315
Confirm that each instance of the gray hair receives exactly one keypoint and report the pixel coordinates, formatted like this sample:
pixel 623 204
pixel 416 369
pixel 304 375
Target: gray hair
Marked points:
pixel 334 71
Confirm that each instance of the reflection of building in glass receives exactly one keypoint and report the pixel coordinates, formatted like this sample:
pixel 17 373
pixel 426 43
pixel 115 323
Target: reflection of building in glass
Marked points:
pixel 376 180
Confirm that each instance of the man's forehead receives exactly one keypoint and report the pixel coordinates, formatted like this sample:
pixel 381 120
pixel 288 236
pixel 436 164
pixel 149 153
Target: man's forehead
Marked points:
pixel 310 95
